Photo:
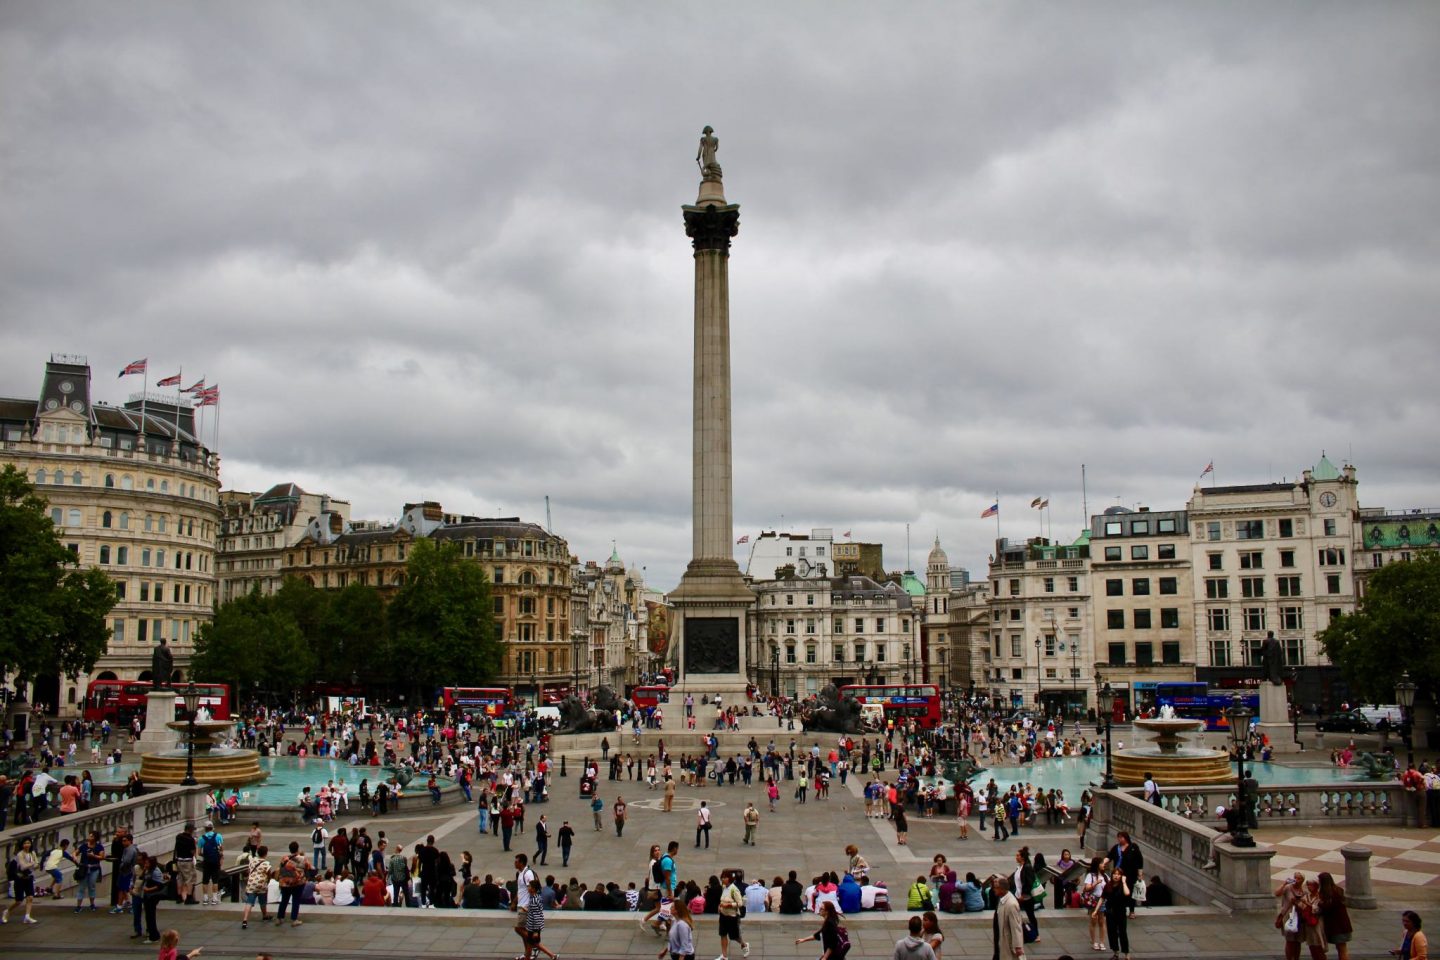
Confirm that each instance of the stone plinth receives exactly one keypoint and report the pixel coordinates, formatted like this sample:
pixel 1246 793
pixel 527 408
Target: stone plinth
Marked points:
pixel 711 606
pixel 159 712
pixel 1275 719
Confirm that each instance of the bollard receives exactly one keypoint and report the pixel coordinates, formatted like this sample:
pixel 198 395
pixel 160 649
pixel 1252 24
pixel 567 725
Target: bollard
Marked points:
pixel 562 766
pixel 1358 894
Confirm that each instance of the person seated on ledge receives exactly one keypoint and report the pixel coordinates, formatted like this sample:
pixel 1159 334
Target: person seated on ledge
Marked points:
pixel 472 897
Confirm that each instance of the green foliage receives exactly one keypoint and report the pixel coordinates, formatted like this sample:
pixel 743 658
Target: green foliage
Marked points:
pixel 52 614
pixel 1397 628
pixel 442 628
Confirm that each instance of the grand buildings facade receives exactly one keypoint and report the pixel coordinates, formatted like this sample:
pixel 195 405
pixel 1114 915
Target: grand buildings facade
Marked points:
pixel 132 491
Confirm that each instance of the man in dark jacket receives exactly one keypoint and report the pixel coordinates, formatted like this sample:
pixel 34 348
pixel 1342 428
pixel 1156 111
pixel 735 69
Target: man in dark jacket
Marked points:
pixel 792 895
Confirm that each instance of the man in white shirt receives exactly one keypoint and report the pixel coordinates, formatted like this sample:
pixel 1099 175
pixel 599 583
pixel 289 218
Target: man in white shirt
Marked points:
pixel 702 823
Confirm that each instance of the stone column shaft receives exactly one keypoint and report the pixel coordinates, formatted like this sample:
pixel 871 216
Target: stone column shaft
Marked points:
pixel 713 504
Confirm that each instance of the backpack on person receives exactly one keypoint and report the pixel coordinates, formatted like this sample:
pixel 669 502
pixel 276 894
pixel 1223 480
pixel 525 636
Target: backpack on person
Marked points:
pixel 657 872
pixel 842 942
pixel 292 874
pixel 317 837
pixel 210 846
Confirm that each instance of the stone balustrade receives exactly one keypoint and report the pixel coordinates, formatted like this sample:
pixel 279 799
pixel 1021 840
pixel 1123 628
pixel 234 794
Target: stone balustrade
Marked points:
pixel 1297 805
pixel 154 819
pixel 1178 850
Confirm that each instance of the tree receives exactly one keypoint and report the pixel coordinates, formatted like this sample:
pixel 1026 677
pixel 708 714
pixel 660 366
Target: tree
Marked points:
pixel 52 613
pixel 441 623
pixel 1397 628
pixel 355 638
pixel 255 643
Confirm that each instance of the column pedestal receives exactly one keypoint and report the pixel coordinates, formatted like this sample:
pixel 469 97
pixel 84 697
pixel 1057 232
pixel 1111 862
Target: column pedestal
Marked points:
pixel 159 710
pixel 711 606
pixel 1275 719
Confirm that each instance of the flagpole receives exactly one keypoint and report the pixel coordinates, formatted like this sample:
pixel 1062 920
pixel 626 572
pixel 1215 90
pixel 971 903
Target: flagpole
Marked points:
pixel 997 515
pixel 179 385
pixel 144 393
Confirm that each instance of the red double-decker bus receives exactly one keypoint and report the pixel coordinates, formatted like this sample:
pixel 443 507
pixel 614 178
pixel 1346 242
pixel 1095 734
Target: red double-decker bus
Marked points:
pixel 902 702
pixel 491 701
pixel 119 700
pixel 650 696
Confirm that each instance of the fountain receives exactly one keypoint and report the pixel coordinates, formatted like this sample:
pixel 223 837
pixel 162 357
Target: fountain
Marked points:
pixel 1168 757
pixel 215 764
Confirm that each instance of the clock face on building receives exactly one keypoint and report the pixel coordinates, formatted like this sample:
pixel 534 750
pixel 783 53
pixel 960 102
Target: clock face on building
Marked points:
pixel 1327 499
pixel 66 386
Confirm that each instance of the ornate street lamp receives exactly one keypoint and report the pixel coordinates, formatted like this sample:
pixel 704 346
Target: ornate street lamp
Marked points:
pixel 1105 706
pixel 1405 696
pixel 775 672
pixel 1239 715
pixel 192 705
pixel 1037 673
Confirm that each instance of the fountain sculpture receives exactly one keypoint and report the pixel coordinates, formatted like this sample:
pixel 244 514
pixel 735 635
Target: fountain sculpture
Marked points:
pixel 1168 757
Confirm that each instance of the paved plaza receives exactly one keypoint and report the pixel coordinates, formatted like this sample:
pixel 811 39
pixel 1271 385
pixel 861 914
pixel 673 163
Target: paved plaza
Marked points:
pixel 807 838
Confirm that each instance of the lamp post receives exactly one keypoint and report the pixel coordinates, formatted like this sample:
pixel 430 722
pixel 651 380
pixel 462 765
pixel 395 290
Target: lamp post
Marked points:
pixel 775 672
pixel 1107 698
pixel 1405 696
pixel 1239 716
pixel 192 705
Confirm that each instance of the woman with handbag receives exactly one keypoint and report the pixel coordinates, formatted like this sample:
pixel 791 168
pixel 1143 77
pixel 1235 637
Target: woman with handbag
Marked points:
pixel 1092 898
pixel 1287 919
pixel 1311 932
pixel 1022 881
pixel 1115 903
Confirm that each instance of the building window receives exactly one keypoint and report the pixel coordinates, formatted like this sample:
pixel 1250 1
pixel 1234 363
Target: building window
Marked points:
pixel 497 575
pixel 1170 652
pixel 1287 558
pixel 1220 653
pixel 1294 651
pixel 839 625
pixel 1330 528
pixel 1212 530
pixel 1074 585
pixel 1288 586
pixel 1217 588
pixel 859 624
pixel 1140 586
pixel 1072 613
pixel 1252 588
pixel 859 653
pixel 1142 619
pixel 1015 645
pixel 1049 582
pixel 1332 557
pixel 1292 618
pixel 1169 586
pixel 1049 644
pixel 1254 618
pixel 1140 552
pixel 1144 655
pixel 1015 614
pixel 809 599
pixel 789 653
pixel 1114 588
pixel 499 606
pixel 1165 525
pixel 1165 551
pixel 1117 655
pixel 1115 619
pixel 1217 561
pixel 1252 560
pixel 74 517
pixel 1219 619
pixel 879 653
pixel 839 654
pixel 1014 588
pixel 1249 529
pixel 789 599
pixel 1113 528
pixel 810 625
pixel 1139 528
pixel 1169 618
pixel 1332 583
pixel 879 624
pixel 1287 527
pixel 790 625
pixel 122 555
pixel 105 519
pixel 1113 554
pixel 810 653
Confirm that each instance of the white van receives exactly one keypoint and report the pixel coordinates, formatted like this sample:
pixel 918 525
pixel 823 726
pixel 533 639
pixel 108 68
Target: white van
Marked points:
pixel 872 716
pixel 1391 712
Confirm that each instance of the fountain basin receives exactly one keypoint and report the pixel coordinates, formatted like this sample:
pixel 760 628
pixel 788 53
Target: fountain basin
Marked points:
pixel 1168 759
pixel 217 765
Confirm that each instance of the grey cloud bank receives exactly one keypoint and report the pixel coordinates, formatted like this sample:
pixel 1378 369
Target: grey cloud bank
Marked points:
pixel 435 251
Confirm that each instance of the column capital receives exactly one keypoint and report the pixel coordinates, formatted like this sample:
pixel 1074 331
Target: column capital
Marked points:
pixel 710 227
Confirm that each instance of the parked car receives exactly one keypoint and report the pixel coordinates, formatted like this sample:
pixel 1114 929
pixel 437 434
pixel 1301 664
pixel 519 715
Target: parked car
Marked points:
pixel 1348 721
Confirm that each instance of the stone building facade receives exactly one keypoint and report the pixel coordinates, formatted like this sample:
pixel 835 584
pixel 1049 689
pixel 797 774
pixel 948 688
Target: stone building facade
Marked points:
pixel 133 491
pixel 256 529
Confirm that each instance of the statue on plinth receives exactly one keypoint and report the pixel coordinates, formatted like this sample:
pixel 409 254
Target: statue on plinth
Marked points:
pixel 1272 659
pixel 705 156
pixel 162 666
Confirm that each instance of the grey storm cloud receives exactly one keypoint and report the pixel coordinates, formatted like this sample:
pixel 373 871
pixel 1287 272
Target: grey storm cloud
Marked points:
pixel 435 251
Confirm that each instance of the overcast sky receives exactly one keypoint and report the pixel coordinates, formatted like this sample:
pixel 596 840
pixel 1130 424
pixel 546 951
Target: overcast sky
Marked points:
pixel 434 251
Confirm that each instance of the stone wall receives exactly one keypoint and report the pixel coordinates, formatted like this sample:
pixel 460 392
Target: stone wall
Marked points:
pixel 154 819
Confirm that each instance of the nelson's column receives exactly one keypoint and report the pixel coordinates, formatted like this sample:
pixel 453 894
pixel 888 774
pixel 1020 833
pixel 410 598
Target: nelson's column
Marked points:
pixel 712 599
